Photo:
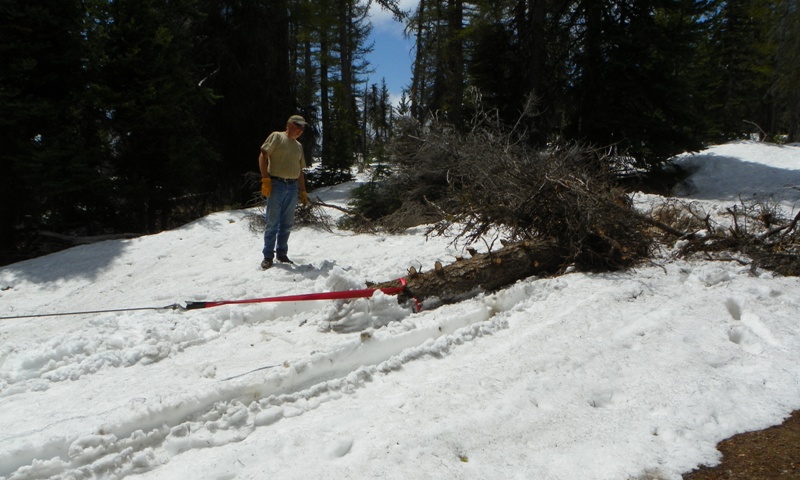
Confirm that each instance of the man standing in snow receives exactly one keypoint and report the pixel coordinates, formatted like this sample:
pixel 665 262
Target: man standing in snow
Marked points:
pixel 281 163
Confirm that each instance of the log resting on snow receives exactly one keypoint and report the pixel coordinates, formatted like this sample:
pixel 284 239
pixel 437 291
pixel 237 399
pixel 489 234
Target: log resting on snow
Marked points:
pixel 485 271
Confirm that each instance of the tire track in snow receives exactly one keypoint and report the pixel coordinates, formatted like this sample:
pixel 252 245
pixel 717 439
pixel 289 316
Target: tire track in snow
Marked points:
pixel 235 408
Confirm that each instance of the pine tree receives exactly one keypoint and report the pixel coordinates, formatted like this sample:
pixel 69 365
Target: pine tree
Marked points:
pixel 403 108
pixel 243 52
pixel 438 82
pixel 785 87
pixel 152 97
pixel 633 80
pixel 740 68
pixel 51 163
pixel 343 29
pixel 305 66
pixel 378 120
pixel 513 54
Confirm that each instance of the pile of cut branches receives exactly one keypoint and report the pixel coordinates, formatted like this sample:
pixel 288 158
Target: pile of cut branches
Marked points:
pixel 487 182
pixel 755 228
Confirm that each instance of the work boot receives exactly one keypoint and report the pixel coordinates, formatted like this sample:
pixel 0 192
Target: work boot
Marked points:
pixel 284 259
pixel 266 263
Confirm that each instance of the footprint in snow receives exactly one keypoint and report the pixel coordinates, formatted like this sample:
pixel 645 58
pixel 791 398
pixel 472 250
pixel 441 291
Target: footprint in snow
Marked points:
pixel 752 330
pixel 341 447
pixel 734 308
pixel 744 337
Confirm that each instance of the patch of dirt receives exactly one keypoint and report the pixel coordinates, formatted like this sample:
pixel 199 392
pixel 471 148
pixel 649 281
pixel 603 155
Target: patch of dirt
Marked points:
pixel 771 454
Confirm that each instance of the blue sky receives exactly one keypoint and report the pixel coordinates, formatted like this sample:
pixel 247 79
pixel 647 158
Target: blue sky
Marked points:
pixel 391 55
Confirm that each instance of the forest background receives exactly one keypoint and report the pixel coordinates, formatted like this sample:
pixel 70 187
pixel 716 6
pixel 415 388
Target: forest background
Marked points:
pixel 135 116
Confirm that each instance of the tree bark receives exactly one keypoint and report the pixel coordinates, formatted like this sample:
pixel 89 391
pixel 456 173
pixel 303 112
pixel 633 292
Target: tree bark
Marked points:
pixel 484 271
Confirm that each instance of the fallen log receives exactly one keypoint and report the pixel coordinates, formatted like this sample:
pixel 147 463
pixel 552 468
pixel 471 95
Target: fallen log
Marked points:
pixel 484 271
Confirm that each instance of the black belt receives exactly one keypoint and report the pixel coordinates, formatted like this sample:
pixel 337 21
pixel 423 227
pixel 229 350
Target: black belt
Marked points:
pixel 285 180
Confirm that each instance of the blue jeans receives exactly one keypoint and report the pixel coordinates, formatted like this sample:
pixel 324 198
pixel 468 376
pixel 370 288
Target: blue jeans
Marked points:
pixel 280 218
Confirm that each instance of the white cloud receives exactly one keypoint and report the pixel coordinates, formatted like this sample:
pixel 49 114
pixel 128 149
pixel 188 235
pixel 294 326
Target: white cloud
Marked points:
pixel 383 20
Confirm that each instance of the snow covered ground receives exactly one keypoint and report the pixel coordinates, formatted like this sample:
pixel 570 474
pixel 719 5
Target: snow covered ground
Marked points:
pixel 595 376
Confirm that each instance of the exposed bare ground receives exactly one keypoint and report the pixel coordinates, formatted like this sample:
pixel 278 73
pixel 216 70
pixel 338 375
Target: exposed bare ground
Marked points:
pixel 770 454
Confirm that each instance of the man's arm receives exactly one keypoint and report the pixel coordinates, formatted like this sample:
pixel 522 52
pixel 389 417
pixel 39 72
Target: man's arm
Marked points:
pixel 301 182
pixel 263 163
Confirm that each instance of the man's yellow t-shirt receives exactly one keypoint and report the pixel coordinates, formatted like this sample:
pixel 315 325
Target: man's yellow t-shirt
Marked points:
pixel 286 158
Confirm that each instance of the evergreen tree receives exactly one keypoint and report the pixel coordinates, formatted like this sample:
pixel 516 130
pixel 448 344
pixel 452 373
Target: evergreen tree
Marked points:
pixel 51 163
pixel 403 108
pixel 516 51
pixel 152 96
pixel 785 87
pixel 634 81
pixel 438 82
pixel 343 29
pixel 739 68
pixel 244 52
pixel 306 68
pixel 378 121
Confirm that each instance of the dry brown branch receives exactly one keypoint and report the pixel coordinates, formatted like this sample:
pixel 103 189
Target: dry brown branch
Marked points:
pixel 785 228
pixel 336 207
pixel 309 215
pixel 313 214
pixel 361 222
pixel 490 180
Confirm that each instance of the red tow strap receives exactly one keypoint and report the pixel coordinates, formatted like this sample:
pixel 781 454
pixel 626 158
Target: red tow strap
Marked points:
pixel 365 293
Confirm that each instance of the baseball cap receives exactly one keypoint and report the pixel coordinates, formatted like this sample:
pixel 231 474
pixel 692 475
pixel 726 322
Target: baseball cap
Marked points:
pixel 297 119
